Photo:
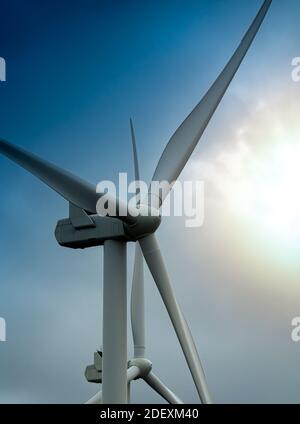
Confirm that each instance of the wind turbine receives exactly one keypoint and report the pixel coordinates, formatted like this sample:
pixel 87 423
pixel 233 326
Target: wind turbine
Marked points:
pixel 139 366
pixel 85 228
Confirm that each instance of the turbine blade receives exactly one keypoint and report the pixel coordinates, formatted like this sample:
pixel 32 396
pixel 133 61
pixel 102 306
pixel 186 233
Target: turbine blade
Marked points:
pixel 138 304
pixel 156 264
pixel 135 155
pixel 162 389
pixel 74 189
pixel 186 137
pixel 137 291
pixel 69 186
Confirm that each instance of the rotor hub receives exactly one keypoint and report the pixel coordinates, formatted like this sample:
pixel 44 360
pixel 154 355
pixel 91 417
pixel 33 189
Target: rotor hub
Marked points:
pixel 146 223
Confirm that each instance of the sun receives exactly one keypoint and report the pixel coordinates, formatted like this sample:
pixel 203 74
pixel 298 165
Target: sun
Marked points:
pixel 266 191
pixel 255 174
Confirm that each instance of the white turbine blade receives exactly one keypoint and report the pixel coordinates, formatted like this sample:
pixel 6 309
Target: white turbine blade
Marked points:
pixel 155 262
pixel 137 291
pixel 138 304
pixel 69 186
pixel 135 155
pixel 75 190
pixel 162 389
pixel 186 137
pixel 95 400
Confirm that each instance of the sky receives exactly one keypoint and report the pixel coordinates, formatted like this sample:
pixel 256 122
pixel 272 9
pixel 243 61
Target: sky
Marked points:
pixel 76 72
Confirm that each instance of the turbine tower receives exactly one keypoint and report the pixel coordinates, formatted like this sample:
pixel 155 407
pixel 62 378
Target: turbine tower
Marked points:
pixel 84 228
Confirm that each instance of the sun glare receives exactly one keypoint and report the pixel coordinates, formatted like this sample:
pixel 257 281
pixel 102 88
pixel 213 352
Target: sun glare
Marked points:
pixel 266 190
pixel 257 175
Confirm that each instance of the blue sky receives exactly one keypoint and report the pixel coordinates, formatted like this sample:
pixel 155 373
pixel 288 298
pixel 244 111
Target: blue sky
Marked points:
pixel 76 72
